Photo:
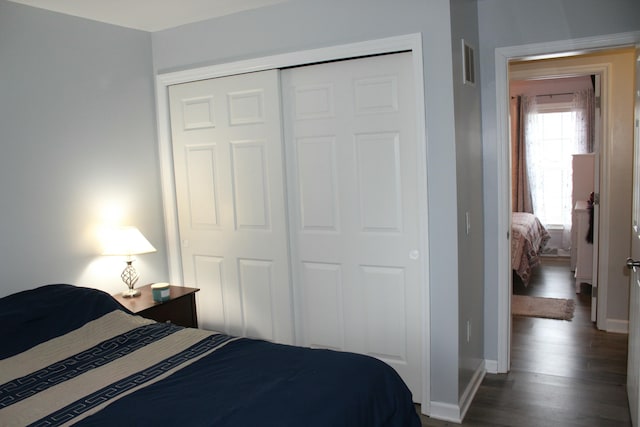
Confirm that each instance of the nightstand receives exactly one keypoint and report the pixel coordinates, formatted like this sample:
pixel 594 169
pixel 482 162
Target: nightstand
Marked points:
pixel 180 309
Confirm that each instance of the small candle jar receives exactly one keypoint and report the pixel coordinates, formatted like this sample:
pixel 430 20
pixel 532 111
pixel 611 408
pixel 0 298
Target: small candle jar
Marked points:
pixel 161 292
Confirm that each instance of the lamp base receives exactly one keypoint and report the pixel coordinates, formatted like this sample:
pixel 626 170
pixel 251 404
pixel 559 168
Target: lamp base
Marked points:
pixel 130 276
pixel 129 293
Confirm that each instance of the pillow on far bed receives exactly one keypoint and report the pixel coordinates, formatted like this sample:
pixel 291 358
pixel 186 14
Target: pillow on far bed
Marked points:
pixel 31 317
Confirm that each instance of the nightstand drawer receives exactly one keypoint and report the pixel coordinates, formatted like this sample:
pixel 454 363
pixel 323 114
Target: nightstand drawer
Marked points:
pixel 180 309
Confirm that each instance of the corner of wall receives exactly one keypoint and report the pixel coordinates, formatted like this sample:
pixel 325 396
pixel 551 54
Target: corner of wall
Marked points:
pixel 491 366
pixel 456 413
pixel 618 326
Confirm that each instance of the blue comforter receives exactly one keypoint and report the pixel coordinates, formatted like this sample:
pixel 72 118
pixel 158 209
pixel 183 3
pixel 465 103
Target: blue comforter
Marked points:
pixel 244 382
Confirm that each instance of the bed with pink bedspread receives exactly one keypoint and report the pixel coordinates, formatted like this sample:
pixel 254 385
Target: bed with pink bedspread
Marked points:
pixel 528 238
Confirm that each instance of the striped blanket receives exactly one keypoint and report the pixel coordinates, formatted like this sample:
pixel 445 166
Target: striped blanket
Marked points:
pixel 73 376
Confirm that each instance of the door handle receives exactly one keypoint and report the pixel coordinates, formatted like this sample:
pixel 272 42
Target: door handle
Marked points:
pixel 631 264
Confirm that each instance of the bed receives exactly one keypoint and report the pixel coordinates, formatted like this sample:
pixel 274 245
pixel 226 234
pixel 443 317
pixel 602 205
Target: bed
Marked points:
pixel 528 238
pixel 72 355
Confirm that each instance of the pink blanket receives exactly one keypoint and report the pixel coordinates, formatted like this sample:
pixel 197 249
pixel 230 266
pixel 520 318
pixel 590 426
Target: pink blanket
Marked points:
pixel 528 237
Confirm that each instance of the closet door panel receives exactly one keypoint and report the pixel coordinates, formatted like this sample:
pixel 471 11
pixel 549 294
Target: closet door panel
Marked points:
pixel 385 292
pixel 201 182
pixel 250 185
pixel 323 306
pixel 317 181
pixel 228 165
pixel 378 165
pixel 352 172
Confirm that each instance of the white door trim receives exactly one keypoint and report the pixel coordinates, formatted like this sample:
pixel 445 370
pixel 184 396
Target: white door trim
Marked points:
pixel 502 57
pixel 410 42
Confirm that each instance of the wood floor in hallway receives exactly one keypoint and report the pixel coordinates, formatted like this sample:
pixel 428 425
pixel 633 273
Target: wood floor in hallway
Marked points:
pixel 563 373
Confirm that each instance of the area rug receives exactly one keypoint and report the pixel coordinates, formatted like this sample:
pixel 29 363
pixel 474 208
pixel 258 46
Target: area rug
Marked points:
pixel 549 308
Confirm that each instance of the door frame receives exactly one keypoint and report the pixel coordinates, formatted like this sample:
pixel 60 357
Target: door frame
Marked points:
pixel 633 355
pixel 411 43
pixel 502 57
pixel 600 239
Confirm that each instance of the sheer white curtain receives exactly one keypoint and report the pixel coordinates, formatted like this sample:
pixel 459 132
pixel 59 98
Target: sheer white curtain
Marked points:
pixel 534 152
pixel 552 134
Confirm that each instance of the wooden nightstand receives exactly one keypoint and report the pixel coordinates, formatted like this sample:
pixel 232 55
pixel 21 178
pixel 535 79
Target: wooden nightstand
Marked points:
pixel 180 309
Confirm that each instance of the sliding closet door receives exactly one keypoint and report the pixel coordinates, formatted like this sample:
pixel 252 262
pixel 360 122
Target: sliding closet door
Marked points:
pixel 228 164
pixel 352 165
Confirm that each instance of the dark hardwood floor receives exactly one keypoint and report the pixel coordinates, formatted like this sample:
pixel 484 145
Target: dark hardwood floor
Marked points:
pixel 563 373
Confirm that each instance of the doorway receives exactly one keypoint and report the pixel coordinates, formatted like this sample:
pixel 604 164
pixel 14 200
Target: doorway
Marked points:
pixel 611 315
pixel 555 134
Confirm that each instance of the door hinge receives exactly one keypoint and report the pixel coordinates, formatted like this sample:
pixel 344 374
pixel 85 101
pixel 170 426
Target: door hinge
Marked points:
pixel 596 198
pixel 598 99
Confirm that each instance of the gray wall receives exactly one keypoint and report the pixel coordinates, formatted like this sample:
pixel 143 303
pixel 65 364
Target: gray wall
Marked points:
pixel 305 24
pixel 78 144
pixel 519 22
pixel 464 25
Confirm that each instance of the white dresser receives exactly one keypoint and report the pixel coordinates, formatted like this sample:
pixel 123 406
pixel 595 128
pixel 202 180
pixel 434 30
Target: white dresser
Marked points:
pixel 583 185
pixel 584 253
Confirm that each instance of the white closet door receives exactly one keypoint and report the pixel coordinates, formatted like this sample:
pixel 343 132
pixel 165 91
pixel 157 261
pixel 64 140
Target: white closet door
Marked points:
pixel 228 164
pixel 352 165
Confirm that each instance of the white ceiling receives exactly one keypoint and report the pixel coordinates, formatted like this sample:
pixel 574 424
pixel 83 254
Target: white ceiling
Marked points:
pixel 148 15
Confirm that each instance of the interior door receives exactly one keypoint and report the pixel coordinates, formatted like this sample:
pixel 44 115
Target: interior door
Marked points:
pixel 633 368
pixel 228 165
pixel 597 144
pixel 352 162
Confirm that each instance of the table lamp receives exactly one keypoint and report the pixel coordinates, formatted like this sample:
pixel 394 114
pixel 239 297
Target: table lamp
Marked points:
pixel 127 241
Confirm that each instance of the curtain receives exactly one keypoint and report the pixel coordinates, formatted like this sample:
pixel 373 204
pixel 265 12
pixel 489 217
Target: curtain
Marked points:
pixel 583 105
pixel 582 114
pixel 521 200
pixel 534 153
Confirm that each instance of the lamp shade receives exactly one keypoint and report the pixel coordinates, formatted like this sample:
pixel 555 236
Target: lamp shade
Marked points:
pixel 127 241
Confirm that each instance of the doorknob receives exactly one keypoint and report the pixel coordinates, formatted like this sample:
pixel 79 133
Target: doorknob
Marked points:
pixel 631 264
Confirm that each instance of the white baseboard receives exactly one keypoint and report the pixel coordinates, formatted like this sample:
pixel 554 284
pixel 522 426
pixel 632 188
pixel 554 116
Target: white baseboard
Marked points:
pixel 445 412
pixel 491 366
pixel 455 413
pixel 472 389
pixel 618 326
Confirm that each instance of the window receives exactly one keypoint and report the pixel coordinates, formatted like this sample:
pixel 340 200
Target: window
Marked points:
pixel 553 129
pixel 550 129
